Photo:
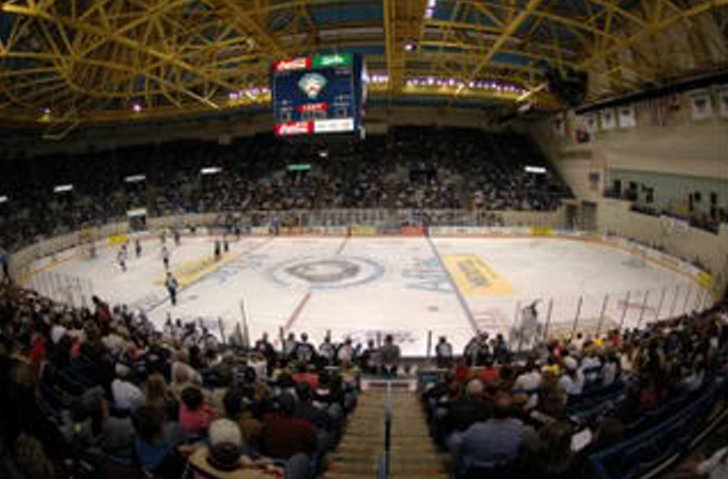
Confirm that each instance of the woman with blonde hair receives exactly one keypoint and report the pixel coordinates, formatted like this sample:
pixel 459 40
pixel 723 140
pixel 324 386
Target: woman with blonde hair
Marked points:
pixel 159 397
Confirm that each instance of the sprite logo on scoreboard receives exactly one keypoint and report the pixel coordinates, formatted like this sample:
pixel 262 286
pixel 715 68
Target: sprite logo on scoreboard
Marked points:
pixel 337 60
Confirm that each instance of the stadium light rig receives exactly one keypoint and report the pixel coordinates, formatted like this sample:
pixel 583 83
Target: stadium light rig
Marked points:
pixel 252 94
pixel 135 178
pixel 62 188
pixel 459 85
pixel 430 10
pixel 525 108
pixel 3 199
pixel 210 170
pixel 45 114
pixel 136 107
pixel 539 170
pixel 378 79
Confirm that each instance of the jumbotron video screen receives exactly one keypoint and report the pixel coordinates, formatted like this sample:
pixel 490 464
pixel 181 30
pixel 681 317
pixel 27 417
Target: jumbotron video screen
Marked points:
pixel 319 94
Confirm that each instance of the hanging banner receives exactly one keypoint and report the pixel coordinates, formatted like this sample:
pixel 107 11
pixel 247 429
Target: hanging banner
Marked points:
pixel 592 123
pixel 673 226
pixel 723 101
pixel 582 132
pixel 608 119
pixel 701 104
pixel 627 117
pixel 558 125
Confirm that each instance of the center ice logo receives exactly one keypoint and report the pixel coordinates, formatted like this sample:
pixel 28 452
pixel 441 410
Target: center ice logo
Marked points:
pixel 312 84
pixel 326 273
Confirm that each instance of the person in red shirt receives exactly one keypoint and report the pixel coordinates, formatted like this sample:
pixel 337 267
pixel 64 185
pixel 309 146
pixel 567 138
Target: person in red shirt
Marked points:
pixel 650 395
pixel 194 415
pixel 461 371
pixel 490 373
pixel 38 348
pixel 102 311
pixel 284 435
pixel 302 375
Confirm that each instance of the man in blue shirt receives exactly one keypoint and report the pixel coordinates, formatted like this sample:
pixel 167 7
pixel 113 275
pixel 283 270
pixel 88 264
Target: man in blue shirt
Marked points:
pixel 493 442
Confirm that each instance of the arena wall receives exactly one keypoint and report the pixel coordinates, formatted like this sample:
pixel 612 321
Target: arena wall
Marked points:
pixel 690 244
pixel 682 147
pixel 21 261
pixel 694 152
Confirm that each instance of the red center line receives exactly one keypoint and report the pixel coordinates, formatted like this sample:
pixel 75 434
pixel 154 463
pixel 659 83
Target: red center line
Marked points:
pixel 342 245
pixel 297 312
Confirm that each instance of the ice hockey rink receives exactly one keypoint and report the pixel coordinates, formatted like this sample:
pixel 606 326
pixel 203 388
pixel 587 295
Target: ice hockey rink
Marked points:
pixel 366 287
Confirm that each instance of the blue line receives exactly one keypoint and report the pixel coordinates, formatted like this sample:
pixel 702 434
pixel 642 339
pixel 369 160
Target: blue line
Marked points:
pixel 458 293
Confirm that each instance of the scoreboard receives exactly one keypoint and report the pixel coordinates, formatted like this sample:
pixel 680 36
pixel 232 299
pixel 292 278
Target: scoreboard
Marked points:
pixel 320 94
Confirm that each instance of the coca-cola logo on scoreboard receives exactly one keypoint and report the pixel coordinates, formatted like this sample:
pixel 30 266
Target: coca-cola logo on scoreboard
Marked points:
pixel 294 128
pixel 301 63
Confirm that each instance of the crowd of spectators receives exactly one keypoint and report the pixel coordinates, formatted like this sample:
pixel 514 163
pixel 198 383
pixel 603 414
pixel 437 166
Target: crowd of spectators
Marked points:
pixel 545 415
pixel 419 168
pixel 99 392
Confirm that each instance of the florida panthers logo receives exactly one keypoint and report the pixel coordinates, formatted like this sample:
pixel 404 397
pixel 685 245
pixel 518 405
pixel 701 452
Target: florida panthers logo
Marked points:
pixel 312 84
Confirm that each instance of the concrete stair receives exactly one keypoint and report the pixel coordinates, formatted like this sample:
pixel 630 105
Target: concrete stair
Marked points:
pixel 412 454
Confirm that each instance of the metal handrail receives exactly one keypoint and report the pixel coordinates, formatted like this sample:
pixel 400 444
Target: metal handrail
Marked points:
pixel 383 472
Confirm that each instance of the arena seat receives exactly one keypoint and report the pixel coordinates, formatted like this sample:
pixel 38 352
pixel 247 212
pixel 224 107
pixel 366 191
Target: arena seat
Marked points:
pixel 653 446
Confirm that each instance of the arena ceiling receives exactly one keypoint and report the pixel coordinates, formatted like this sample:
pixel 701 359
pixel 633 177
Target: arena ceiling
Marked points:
pixel 71 61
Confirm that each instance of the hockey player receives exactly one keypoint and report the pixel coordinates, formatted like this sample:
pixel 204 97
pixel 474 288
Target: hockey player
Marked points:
pixel 165 257
pixel 171 285
pixel 304 350
pixel 529 329
pixel 327 350
pixel 175 234
pixel 443 353
pixel 217 250
pixel 477 349
pixel 138 248
pixel 121 259
pixel 209 340
pixel 289 345
pixel 264 346
pixel 345 352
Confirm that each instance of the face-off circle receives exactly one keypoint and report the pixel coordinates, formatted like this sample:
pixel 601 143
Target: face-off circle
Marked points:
pixel 326 273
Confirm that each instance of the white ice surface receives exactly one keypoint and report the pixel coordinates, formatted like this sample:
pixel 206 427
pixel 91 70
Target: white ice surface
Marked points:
pixel 405 291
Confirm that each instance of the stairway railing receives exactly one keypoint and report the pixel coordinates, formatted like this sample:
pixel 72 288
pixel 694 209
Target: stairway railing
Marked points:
pixel 383 469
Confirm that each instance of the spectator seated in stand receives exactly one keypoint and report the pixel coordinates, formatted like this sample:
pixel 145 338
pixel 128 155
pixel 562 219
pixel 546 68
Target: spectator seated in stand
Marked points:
pixel 104 400
pixel 409 167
